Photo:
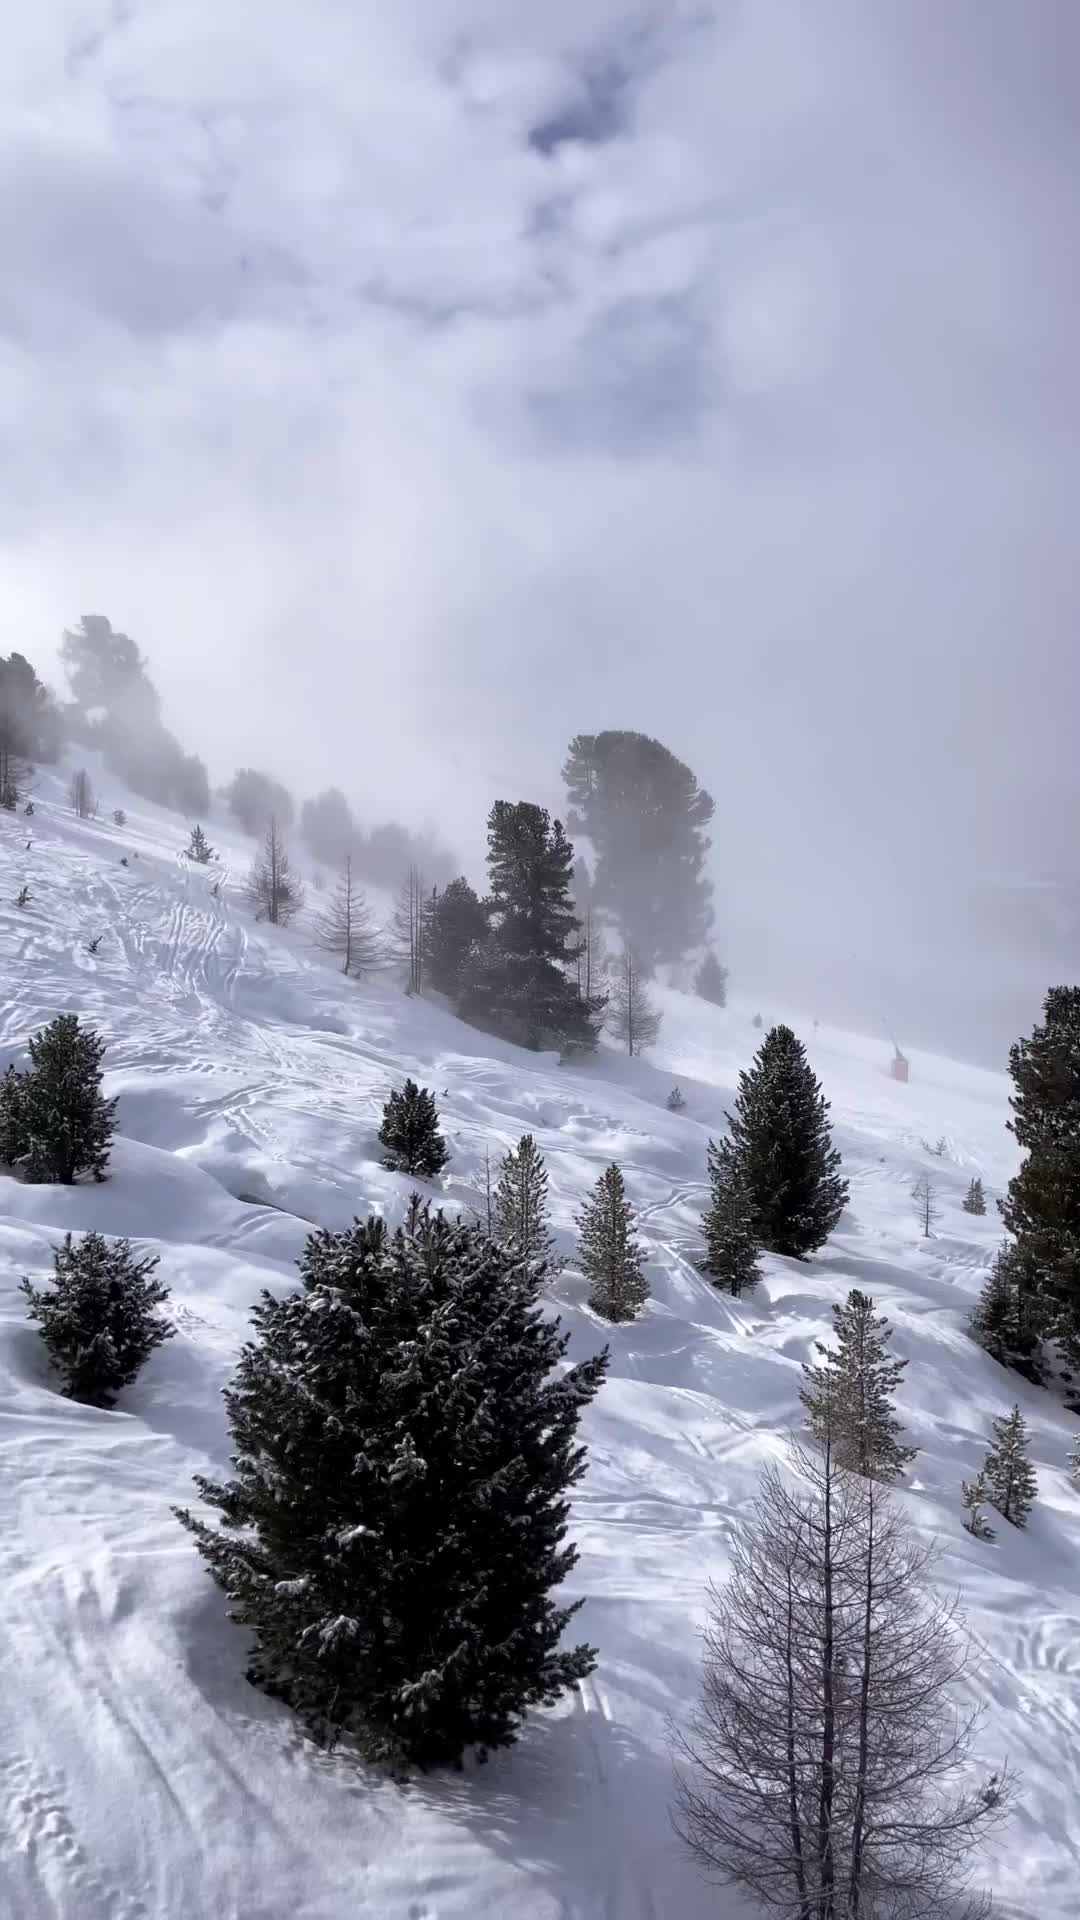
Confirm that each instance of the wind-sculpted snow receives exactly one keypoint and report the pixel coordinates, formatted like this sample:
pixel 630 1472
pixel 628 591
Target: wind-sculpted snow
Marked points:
pixel 140 1776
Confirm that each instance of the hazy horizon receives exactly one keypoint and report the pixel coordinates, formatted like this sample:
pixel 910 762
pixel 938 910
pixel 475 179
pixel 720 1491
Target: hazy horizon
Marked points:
pixel 422 389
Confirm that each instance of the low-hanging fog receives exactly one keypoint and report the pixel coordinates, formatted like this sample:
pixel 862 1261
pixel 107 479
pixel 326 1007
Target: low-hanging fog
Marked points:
pixel 421 385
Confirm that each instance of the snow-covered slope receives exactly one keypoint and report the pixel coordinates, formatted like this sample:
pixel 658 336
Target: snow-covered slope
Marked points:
pixel 140 1776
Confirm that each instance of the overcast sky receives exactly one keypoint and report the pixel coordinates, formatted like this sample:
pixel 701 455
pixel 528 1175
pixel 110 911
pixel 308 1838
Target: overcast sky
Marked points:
pixel 421 382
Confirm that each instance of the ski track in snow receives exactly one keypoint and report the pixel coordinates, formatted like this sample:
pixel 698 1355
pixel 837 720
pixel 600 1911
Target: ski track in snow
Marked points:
pixel 139 1775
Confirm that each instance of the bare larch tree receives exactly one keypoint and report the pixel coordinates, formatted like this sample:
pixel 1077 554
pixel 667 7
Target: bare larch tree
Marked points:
pixel 346 927
pixel 81 795
pixel 271 887
pixel 632 1015
pixel 827 1773
pixel 405 940
pixel 924 1194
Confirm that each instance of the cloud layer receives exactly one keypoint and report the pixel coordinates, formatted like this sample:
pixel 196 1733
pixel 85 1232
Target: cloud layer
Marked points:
pixel 422 384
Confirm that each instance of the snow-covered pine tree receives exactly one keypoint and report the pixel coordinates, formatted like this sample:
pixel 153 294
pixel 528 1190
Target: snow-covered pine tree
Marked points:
pixel 517 982
pixel 347 928
pixel 1006 1320
pixel 975 1198
pixel 711 980
pixel 609 1255
pixel 731 1248
pixel 1042 1208
pixel 99 1319
pixel 676 1100
pixel 199 848
pixel 780 1135
pixel 119 817
pixel 272 888
pixel 633 1016
pixel 519 1208
pixel 1009 1476
pixel 1074 1462
pixel 456 923
pixel 975 1498
pixel 54 1122
pixel 410 1133
pixel 757 1021
pixel 395 1530
pixel 22 898
pixel 848 1394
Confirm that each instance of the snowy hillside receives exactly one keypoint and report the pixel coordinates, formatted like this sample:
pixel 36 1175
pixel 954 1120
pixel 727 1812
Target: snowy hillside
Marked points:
pixel 141 1776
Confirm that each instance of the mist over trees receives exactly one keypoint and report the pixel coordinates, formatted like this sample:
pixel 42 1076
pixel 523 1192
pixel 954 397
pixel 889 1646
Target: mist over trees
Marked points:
pixel 382 855
pixel 116 708
pixel 645 816
pixel 31 729
pixel 456 923
pixel 255 798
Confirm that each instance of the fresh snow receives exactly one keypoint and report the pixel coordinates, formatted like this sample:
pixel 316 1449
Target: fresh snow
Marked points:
pixel 141 1775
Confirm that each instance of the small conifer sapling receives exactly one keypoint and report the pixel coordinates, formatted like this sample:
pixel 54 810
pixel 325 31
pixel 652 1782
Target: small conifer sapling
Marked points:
pixel 519 1207
pixel 54 1122
pixel 975 1498
pixel 410 1133
pixel 199 848
pixel 848 1393
pixel 1009 1476
pixel 731 1248
pixel 609 1255
pixel 99 1320
pixel 676 1101
pixel 975 1198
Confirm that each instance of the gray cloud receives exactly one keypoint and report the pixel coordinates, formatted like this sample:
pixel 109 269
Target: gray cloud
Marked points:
pixel 422 384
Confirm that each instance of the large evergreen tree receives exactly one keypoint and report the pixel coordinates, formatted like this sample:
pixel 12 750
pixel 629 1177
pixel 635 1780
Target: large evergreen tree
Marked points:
pixel 1007 1318
pixel 780 1136
pixel 1042 1208
pixel 609 1254
pixel 848 1394
pixel 731 1248
pixel 517 983
pixel 410 1133
pixel 645 816
pixel 456 925
pixel 54 1121
pixel 1008 1474
pixel 405 1440
pixel 519 1208
pixel 99 1319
